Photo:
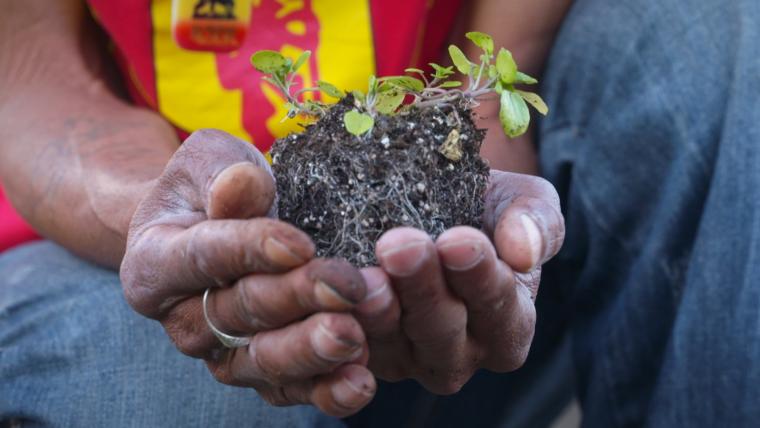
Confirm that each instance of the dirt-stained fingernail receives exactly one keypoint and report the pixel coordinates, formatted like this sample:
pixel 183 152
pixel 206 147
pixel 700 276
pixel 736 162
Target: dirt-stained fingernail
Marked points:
pixel 462 256
pixel 281 254
pixel 534 239
pixel 330 297
pixel 354 390
pixel 330 347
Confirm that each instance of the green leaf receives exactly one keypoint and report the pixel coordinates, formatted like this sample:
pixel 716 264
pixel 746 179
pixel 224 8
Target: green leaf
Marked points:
pixel 451 84
pixel 535 100
pixel 301 60
pixel 359 96
pixel 460 61
pixel 492 72
pixel 405 82
pixel 506 66
pixel 330 89
pixel 513 114
pixel 372 85
pixel 524 79
pixel 358 123
pixel 414 70
pixel 269 62
pixel 388 102
pixel 442 72
pixel 482 40
pixel 314 105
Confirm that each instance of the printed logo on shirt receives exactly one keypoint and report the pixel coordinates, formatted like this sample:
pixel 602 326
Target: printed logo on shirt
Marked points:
pixel 222 90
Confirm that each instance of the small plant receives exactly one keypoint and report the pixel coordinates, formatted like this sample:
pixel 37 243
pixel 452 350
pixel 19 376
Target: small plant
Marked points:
pixel 406 152
pixel 494 74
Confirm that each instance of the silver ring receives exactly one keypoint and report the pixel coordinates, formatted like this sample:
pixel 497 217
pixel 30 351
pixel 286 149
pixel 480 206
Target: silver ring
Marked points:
pixel 227 340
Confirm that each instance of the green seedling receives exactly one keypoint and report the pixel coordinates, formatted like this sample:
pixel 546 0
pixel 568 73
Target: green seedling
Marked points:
pixel 495 73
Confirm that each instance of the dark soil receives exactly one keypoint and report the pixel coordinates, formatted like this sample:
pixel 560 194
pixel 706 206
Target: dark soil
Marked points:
pixel 345 191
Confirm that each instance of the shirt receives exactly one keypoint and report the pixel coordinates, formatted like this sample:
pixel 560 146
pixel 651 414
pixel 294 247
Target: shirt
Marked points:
pixel 349 39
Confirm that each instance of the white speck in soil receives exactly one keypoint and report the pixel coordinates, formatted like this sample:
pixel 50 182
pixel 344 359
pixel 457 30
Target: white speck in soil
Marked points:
pixel 385 141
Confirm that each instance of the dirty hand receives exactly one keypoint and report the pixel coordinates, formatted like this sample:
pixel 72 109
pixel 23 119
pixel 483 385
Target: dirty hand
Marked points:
pixel 438 311
pixel 204 225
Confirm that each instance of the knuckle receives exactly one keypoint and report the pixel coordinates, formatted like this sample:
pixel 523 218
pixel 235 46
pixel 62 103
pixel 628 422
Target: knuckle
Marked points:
pixel 250 307
pixel 186 340
pixel 205 135
pixel 275 396
pixel 546 186
pixel 266 368
pixel 511 358
pixel 137 281
pixel 188 344
pixel 448 385
pixel 199 249
pixel 221 372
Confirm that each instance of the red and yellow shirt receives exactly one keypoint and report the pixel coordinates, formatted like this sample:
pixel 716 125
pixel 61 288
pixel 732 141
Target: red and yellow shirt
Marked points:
pixel 349 40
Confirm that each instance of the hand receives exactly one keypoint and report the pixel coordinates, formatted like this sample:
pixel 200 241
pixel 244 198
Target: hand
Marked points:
pixel 437 312
pixel 202 225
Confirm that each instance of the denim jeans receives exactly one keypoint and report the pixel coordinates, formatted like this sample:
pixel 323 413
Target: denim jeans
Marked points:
pixel 653 304
pixel 73 354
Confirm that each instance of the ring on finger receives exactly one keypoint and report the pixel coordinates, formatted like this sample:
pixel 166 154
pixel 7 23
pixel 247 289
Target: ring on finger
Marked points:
pixel 226 339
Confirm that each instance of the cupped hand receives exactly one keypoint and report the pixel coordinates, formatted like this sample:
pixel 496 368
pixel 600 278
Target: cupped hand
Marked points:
pixel 438 311
pixel 204 224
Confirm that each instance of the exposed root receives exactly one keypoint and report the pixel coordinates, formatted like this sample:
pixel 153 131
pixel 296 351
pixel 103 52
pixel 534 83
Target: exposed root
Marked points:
pixel 346 191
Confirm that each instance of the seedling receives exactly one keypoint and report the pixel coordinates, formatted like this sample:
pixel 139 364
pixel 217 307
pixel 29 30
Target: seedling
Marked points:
pixel 406 152
pixel 493 74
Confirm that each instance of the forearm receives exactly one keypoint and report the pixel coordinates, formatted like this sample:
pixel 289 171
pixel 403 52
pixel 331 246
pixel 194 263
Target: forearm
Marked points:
pixel 527 28
pixel 74 159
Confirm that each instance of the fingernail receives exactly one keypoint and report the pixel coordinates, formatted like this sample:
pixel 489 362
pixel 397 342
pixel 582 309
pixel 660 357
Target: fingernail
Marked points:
pixel 534 238
pixel 462 256
pixel 332 348
pixel 329 297
pixel 377 300
pixel 354 390
pixel 404 260
pixel 280 253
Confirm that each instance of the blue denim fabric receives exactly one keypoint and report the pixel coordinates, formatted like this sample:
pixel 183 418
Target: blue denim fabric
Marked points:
pixel 73 354
pixel 654 144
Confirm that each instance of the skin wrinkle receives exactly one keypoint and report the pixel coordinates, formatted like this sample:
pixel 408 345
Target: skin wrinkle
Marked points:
pixel 165 214
pixel 247 307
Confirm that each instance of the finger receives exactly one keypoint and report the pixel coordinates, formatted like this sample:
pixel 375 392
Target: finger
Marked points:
pixel 188 187
pixel 208 163
pixel 379 312
pixel 345 391
pixel 508 347
pixel 212 252
pixel 188 331
pixel 264 302
pixel 528 233
pixel 524 218
pixel 339 394
pixel 240 191
pixel 499 318
pixel 297 352
pixel 472 269
pixel 433 319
